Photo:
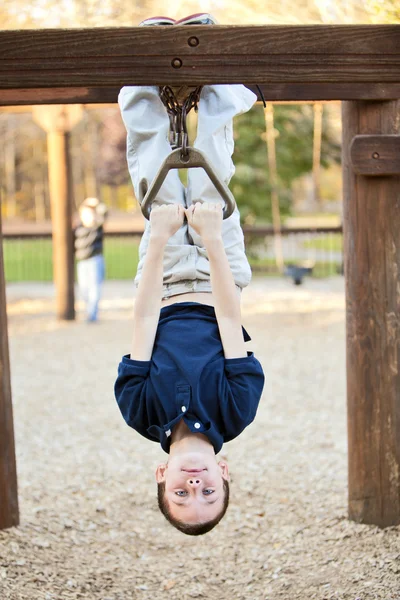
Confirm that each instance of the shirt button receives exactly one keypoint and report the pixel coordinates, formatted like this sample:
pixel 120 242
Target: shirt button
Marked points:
pixel 197 425
pixel 183 408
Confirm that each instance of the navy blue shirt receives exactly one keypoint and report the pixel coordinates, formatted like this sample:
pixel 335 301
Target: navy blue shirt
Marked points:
pixel 188 377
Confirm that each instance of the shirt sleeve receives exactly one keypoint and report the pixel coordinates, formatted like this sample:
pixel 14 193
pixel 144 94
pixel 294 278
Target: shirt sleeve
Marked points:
pixel 130 392
pixel 244 386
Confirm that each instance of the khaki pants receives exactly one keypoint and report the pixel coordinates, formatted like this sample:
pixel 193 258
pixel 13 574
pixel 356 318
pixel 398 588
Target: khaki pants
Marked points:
pixel 186 266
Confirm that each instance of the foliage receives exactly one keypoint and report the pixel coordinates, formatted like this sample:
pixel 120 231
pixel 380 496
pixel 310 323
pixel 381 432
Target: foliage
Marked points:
pixel 19 14
pixel 384 11
pixel 98 150
pixel 294 143
pixel 106 152
pixel 111 168
pixel 94 13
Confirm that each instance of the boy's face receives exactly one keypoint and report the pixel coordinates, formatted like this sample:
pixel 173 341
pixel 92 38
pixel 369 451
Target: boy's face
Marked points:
pixel 193 486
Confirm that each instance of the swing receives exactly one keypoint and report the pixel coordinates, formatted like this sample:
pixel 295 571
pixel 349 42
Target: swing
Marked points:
pixel 184 156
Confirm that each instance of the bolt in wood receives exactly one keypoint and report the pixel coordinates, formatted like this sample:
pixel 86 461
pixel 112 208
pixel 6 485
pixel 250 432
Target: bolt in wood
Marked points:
pixel 176 63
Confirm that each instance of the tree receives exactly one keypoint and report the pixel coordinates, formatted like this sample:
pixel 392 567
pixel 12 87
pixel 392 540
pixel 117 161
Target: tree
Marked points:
pixel 384 11
pixel 19 14
pixel 112 168
pixel 294 147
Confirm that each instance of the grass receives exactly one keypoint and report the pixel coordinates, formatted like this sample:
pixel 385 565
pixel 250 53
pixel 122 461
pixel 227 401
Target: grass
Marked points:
pixel 31 260
pixel 332 242
pixel 121 256
pixel 28 260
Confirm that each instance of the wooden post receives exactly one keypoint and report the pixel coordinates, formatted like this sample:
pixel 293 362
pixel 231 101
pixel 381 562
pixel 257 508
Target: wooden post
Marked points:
pixel 9 515
pixel 9 167
pixel 372 269
pixel 317 140
pixel 92 184
pixel 58 121
pixel 38 187
pixel 273 180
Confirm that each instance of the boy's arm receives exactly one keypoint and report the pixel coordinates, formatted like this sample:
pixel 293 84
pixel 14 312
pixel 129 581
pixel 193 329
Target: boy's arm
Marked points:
pixel 206 219
pixel 148 301
pixel 165 221
pixel 226 299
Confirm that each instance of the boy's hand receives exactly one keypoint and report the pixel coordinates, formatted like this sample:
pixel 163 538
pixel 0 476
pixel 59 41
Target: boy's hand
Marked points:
pixel 166 220
pixel 206 219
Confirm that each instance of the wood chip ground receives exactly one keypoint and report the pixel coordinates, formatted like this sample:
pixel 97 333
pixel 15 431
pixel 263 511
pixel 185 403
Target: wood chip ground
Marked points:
pixel 90 528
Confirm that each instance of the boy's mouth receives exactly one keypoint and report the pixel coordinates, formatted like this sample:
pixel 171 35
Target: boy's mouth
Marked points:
pixel 193 470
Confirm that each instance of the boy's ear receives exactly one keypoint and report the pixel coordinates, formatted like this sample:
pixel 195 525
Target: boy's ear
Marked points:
pixel 224 470
pixel 160 473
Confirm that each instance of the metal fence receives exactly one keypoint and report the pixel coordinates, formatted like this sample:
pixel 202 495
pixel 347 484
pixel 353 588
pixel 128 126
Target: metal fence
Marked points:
pixel 319 248
pixel 28 257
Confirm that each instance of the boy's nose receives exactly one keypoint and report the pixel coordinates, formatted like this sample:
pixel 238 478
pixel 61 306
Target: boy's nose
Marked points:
pixel 194 481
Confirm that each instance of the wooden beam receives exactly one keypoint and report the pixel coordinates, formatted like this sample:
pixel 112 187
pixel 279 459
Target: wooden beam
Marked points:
pixel 376 154
pixel 9 515
pixel 372 267
pixel 227 40
pixel 301 92
pixel 90 65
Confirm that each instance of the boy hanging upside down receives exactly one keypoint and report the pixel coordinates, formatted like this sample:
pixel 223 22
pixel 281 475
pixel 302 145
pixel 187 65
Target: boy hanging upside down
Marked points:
pixel 189 382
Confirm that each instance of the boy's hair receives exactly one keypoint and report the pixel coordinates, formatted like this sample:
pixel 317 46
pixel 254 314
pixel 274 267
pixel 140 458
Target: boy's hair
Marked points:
pixel 189 528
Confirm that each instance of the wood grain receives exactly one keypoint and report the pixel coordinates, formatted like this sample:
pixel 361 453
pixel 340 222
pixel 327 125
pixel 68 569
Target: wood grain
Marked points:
pixel 372 270
pixel 283 59
pixel 375 155
pixel 153 70
pixel 9 515
pixel 217 40
pixel 305 92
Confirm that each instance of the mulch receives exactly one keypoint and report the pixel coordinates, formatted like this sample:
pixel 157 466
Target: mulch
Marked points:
pixel 90 528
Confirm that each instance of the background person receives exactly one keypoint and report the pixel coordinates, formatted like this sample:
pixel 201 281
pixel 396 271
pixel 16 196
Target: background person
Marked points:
pixel 89 254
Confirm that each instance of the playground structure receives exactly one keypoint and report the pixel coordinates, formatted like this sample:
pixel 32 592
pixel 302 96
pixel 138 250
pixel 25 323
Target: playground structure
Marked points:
pixel 359 65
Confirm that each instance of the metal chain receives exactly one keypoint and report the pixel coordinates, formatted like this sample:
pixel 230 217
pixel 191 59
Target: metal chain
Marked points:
pixel 178 114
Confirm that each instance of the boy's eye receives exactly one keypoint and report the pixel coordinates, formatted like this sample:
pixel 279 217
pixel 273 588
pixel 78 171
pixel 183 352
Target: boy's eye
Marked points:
pixel 207 492
pixel 181 493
